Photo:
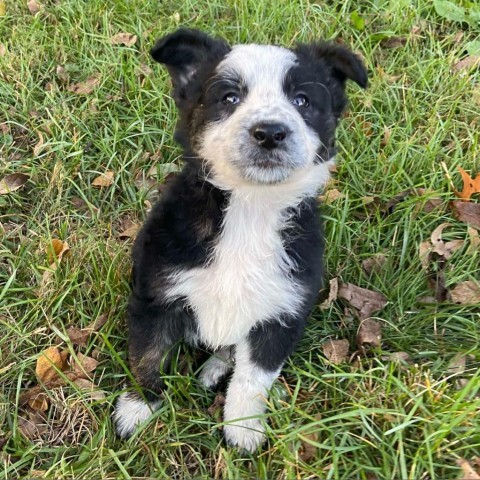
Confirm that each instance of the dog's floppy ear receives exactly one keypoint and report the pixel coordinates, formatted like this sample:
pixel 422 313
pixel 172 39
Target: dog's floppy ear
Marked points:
pixel 185 52
pixel 345 64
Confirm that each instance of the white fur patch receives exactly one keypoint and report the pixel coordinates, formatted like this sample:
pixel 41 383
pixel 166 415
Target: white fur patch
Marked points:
pixel 247 279
pixel 130 411
pixel 246 398
pixel 216 367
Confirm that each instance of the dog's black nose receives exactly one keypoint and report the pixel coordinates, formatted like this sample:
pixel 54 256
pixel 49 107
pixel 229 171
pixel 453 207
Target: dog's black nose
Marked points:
pixel 269 135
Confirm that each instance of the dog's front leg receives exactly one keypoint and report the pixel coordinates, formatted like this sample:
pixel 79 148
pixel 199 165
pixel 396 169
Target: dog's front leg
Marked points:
pixel 258 361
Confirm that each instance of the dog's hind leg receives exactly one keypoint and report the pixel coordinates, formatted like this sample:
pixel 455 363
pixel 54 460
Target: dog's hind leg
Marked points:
pixel 217 367
pixel 154 332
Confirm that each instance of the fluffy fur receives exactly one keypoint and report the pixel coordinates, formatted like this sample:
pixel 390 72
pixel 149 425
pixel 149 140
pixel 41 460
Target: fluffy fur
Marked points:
pixel 231 257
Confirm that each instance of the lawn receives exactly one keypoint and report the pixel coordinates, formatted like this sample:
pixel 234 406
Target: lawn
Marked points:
pixel 86 117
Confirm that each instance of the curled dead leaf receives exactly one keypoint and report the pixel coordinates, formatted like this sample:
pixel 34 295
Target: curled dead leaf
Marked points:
pixel 39 146
pixel 78 336
pixel 83 365
pixel 12 182
pixel 331 196
pixel 127 39
pixel 336 351
pixel 56 251
pixel 38 402
pixel 308 449
pixel 332 294
pixel 104 180
pixel 130 232
pixel 467 63
pixel 467 212
pixel 86 87
pixel 216 409
pixel 445 249
pixel 374 264
pixel 98 323
pixel 366 302
pixel 466 293
pixel 393 42
pixel 469 473
pixel 369 334
pixel 62 74
pixel 34 7
pixel 49 362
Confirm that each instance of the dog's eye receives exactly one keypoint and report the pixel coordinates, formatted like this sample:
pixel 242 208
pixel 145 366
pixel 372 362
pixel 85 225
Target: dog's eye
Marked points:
pixel 300 101
pixel 231 98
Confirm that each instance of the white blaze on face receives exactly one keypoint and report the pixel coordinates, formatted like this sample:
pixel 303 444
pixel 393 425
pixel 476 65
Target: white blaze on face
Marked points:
pixel 228 146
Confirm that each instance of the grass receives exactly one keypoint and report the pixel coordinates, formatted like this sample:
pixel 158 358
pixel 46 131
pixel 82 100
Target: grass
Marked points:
pixel 374 420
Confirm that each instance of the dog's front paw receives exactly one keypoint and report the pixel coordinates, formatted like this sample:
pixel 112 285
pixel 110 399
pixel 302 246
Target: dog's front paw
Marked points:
pixel 245 434
pixel 130 411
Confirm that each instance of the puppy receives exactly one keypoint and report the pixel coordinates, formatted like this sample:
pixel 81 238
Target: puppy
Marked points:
pixel 231 257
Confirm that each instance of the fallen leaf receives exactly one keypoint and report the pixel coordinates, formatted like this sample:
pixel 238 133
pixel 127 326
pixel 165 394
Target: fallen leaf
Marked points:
pixel 144 70
pixel 331 196
pixel 49 361
pixel 374 264
pixel 84 365
pixel 469 472
pixel 365 301
pixel 78 336
pixel 3 50
pixel 457 365
pixel 34 7
pixel 56 250
pixel 32 427
pixel 215 410
pixel 369 334
pixel 332 294
pixel 308 450
pixel 85 88
pixel 38 147
pixel 393 42
pixel 387 133
pixel 62 74
pixel 445 249
pixel 91 388
pixel 39 402
pixel 474 240
pixel 104 180
pixel 467 212
pixel 466 293
pixel 130 232
pixel 336 351
pixel 470 185
pixel 467 63
pixel 12 182
pixel 98 323
pixel 397 357
pixel 127 39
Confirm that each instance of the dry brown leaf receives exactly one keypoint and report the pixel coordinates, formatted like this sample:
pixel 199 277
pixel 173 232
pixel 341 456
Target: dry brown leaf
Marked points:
pixel 457 365
pixel 374 264
pixel 62 74
pixel 397 357
pixel 469 473
pixel 474 240
pixel 34 7
pixel 215 410
pixel 49 361
pixel 86 87
pixel 336 351
pixel 466 293
pixel 332 294
pixel 3 50
pixel 467 63
pixel 144 70
pixel 12 182
pixel 32 425
pixel 308 451
pixel 84 365
pixel 331 195
pixel 38 147
pixel 445 249
pixel 366 302
pixel 104 180
pixel 467 212
pixel 393 42
pixel 130 232
pixel 98 323
pixel 90 387
pixel 369 334
pixel 127 39
pixel 39 402
pixel 470 185
pixel 78 336
pixel 387 133
pixel 56 251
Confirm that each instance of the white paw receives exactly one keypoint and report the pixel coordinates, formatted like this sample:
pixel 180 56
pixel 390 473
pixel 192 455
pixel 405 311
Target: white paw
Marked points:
pixel 130 411
pixel 245 434
pixel 213 371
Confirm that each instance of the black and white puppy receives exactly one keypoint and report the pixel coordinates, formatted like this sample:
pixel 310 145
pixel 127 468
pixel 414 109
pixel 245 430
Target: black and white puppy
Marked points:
pixel 231 257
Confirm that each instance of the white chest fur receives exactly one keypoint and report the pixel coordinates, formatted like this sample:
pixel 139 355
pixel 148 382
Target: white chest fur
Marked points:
pixel 247 279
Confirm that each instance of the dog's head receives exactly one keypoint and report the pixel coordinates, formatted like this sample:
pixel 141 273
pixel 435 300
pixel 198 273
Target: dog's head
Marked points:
pixel 257 113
